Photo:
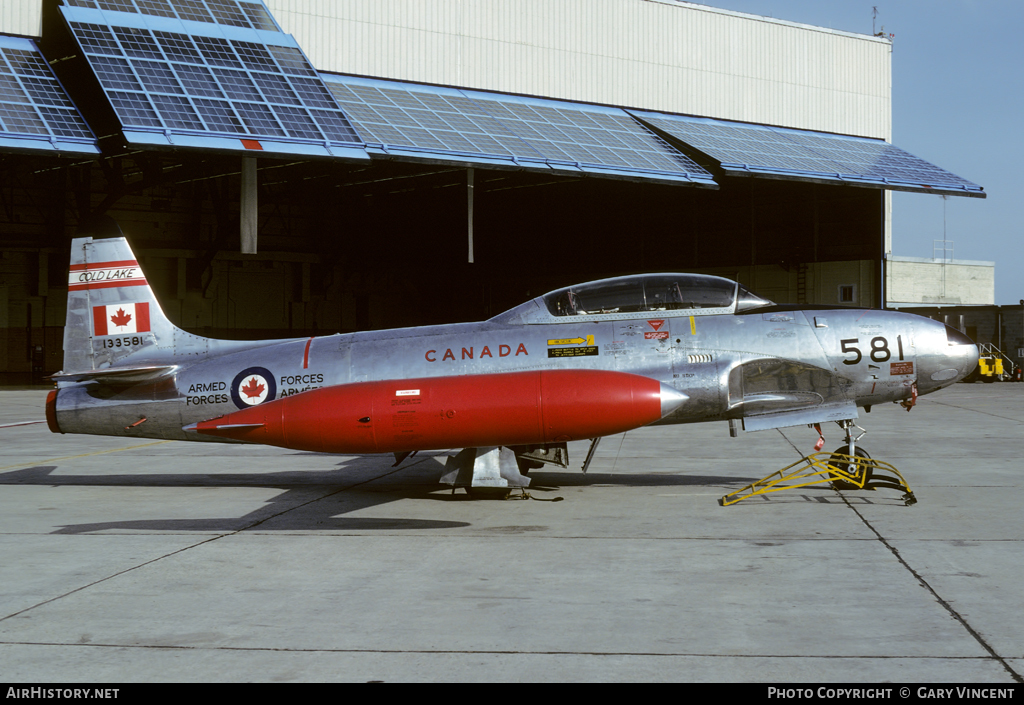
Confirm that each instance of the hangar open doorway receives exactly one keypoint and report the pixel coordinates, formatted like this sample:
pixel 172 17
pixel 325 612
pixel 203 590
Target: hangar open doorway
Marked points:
pixel 344 249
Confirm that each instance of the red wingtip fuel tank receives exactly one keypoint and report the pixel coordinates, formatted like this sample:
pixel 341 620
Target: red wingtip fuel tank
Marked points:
pixel 517 408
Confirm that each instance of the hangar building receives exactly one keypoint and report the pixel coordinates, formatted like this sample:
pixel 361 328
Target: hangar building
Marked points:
pixel 298 167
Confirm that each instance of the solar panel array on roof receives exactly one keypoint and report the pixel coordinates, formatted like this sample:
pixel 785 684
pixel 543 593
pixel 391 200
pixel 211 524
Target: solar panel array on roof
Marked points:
pixel 241 13
pixel 35 111
pixel 208 73
pixel 448 124
pixel 745 149
pixel 221 74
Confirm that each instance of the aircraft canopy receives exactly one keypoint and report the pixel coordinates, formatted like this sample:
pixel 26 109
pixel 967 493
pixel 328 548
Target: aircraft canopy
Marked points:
pixel 651 293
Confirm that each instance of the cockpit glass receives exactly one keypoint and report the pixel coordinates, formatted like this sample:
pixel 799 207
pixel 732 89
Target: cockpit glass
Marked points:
pixel 641 294
pixel 747 300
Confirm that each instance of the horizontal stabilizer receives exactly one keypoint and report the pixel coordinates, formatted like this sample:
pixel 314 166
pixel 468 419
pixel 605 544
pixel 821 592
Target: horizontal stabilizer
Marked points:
pixel 118 375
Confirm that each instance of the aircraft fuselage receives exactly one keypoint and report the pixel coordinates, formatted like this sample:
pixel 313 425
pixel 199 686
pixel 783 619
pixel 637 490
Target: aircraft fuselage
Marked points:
pixel 755 364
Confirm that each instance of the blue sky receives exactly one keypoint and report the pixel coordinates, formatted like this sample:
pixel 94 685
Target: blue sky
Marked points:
pixel 958 102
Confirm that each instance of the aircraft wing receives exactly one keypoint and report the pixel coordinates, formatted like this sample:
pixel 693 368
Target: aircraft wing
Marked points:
pixel 837 411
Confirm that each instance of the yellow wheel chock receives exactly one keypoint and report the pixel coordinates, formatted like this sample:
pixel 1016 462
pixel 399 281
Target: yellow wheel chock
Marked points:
pixel 843 471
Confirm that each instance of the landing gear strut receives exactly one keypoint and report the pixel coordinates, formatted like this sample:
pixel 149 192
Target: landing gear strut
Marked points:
pixel 844 459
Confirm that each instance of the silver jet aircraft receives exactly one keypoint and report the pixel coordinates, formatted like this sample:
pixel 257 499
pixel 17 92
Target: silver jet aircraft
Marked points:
pixel 575 364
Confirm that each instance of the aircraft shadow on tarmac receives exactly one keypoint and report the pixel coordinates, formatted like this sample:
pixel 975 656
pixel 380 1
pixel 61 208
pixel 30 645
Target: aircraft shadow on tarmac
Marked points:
pixel 313 500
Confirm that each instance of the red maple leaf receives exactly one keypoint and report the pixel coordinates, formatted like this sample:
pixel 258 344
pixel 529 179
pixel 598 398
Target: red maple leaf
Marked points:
pixel 253 389
pixel 120 319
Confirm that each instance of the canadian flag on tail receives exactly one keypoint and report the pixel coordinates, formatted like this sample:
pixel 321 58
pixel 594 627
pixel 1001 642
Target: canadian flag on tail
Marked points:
pixel 120 318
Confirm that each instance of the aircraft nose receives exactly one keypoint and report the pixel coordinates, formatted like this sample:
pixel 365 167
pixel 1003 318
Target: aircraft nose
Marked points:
pixel 963 350
pixel 955 356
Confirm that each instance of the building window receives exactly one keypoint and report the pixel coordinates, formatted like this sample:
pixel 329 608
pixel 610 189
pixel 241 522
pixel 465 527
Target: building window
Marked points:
pixel 847 294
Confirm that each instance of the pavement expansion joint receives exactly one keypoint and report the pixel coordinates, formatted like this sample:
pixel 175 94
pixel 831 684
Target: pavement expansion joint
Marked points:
pixel 500 652
pixel 945 603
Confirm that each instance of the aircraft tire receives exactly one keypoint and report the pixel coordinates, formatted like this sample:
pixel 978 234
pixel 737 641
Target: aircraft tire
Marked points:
pixel 526 465
pixel 835 462
pixel 488 492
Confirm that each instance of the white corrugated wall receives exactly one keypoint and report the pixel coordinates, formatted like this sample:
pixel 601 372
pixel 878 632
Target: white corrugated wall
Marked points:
pixel 23 17
pixel 652 54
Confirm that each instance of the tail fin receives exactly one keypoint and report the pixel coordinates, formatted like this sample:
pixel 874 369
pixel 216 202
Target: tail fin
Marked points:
pixel 115 323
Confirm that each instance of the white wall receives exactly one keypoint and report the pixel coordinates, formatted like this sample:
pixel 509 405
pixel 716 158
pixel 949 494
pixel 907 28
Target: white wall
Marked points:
pixel 916 280
pixel 654 54
pixel 23 17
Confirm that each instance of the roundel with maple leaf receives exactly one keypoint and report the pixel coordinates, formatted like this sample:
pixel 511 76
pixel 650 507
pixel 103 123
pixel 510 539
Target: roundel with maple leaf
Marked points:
pixel 253 386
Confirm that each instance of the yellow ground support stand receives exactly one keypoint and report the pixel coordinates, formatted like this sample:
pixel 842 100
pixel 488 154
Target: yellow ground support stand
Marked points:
pixel 990 366
pixel 817 468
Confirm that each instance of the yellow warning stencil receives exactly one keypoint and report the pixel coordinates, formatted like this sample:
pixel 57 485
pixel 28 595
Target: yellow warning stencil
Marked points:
pixel 588 340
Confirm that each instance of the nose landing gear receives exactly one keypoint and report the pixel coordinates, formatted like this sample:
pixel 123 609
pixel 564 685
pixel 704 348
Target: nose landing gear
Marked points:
pixel 847 460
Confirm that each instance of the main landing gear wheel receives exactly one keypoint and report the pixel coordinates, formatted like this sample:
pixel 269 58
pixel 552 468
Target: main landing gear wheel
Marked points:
pixel 526 465
pixel 838 461
pixel 488 492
